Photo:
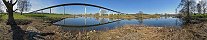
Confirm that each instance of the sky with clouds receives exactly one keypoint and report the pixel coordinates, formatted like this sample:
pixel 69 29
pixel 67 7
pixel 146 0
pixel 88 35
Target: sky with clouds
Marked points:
pixel 126 6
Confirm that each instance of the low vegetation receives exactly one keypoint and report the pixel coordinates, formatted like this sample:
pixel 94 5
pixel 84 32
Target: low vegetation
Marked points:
pixel 140 32
pixel 27 18
pixel 129 16
pixel 199 15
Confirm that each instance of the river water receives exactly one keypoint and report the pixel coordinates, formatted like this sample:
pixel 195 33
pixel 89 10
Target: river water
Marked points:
pixel 101 24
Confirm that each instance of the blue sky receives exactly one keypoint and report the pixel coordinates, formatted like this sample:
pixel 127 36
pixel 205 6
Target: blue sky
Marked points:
pixel 126 6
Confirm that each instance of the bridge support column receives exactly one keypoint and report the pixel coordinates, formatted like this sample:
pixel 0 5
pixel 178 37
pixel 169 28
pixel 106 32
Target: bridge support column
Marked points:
pixel 50 11
pixel 108 14
pixel 64 10
pixel 100 12
pixel 42 11
pixel 85 11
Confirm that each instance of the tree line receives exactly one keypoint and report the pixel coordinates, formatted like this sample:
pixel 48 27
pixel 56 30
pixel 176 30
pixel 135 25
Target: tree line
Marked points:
pixel 186 8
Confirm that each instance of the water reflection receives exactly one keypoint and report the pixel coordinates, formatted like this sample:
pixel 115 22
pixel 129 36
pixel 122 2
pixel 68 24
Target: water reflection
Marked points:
pixel 90 23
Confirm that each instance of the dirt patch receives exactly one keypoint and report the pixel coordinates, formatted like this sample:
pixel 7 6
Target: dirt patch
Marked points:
pixel 21 21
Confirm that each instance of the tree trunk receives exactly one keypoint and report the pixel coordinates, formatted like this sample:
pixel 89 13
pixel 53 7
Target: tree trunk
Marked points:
pixel 10 20
pixel 21 13
pixel 204 11
pixel 188 13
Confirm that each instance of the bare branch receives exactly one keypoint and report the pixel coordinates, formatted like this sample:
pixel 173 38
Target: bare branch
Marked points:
pixel 15 2
pixel 5 2
pixel 23 5
pixel 6 10
pixel 15 10
pixel 11 1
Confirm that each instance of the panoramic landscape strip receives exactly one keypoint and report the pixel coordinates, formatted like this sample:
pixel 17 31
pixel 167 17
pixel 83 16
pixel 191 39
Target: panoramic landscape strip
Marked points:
pixel 87 20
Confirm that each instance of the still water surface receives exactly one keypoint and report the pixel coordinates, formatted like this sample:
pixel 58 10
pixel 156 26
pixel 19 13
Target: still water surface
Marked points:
pixel 101 24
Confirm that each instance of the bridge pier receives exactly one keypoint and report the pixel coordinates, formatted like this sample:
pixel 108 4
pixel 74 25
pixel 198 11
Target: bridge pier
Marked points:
pixel 42 11
pixel 50 11
pixel 85 13
pixel 64 10
pixel 100 12
pixel 108 14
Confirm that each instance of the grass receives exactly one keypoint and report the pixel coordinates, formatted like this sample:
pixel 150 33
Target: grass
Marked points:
pixel 49 17
pixel 18 16
pixel 46 15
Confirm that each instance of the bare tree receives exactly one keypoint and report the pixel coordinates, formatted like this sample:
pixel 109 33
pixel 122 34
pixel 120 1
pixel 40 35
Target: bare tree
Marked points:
pixel 9 8
pixel 1 8
pixel 199 8
pixel 187 8
pixel 23 5
pixel 203 4
pixel 1 11
pixel 140 12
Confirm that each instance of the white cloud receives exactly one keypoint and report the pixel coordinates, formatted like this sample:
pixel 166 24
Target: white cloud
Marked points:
pixel 197 1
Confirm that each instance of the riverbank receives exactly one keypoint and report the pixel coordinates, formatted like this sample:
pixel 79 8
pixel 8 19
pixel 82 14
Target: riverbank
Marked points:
pixel 139 32
pixel 38 24
pixel 127 32
pixel 127 16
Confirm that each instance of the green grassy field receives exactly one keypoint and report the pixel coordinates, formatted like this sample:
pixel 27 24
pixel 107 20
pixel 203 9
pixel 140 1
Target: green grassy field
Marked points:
pixel 30 16
pixel 45 15
pixel 16 16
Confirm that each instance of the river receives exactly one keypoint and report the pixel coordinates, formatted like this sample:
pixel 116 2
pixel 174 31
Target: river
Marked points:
pixel 102 24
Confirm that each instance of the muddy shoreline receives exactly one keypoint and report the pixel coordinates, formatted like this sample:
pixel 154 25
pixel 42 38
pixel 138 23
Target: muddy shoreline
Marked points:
pixel 140 32
pixel 127 32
